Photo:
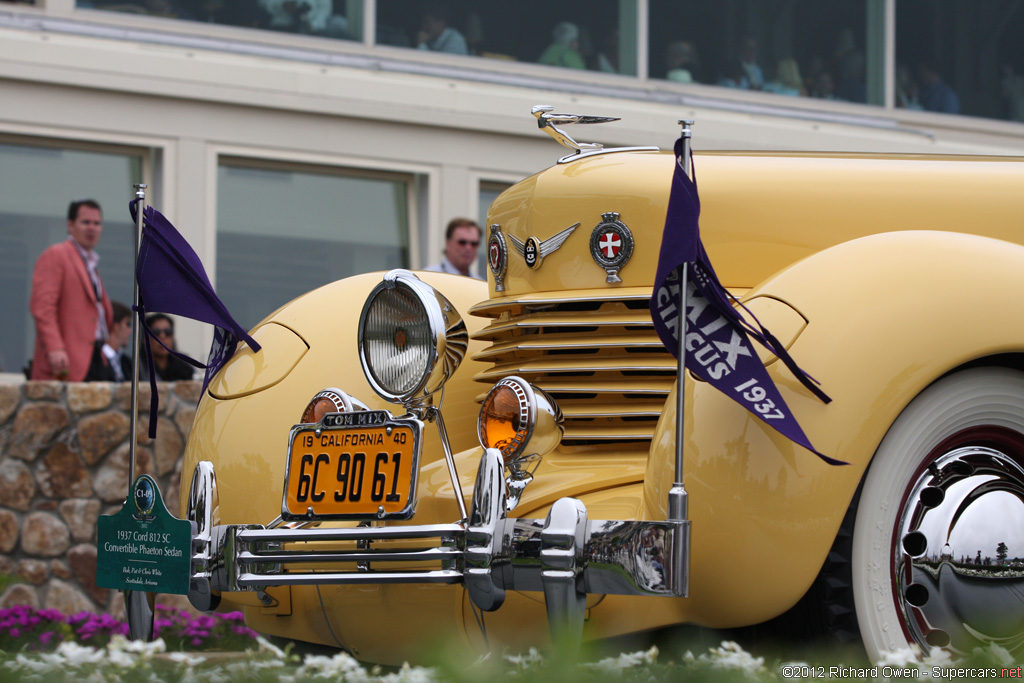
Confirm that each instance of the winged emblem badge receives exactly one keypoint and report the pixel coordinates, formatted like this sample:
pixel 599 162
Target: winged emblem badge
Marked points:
pixel 533 250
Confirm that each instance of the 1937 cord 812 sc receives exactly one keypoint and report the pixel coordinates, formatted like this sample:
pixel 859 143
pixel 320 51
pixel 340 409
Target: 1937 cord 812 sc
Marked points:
pixel 335 505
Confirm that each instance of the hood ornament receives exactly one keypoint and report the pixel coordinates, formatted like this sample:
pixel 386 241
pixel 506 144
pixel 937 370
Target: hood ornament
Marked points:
pixel 497 257
pixel 534 250
pixel 611 245
pixel 548 122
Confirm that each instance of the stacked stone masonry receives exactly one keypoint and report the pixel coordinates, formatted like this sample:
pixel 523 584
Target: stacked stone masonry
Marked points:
pixel 64 456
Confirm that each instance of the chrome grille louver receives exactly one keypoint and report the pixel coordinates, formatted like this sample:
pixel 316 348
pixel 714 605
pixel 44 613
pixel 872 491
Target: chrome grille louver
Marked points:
pixel 599 358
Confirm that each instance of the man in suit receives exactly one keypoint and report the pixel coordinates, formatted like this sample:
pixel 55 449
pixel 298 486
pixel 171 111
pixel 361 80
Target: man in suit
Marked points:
pixel 69 303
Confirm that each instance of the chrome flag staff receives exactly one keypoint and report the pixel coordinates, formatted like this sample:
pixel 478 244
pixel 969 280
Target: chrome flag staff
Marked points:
pixel 717 338
pixel 171 279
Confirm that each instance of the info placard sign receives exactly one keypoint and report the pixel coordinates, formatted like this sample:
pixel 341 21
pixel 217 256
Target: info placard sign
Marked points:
pixel 143 547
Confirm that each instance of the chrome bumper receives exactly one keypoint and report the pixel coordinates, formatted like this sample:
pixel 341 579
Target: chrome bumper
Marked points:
pixel 567 555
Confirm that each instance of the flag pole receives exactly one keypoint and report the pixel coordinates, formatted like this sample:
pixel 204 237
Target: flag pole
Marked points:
pixel 139 605
pixel 677 497
pixel 140 198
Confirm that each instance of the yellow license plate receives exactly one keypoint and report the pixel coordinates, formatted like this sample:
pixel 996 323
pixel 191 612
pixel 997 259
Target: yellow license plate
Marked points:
pixel 352 471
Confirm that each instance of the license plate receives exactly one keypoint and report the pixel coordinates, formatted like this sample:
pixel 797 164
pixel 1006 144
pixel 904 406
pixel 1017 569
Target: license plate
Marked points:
pixel 359 465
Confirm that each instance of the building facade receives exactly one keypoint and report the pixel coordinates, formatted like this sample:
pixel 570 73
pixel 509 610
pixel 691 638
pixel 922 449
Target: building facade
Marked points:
pixel 296 143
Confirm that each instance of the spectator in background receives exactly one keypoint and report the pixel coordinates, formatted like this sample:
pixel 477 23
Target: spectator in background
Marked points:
pixel 935 94
pixel 564 50
pixel 109 362
pixel 435 33
pixel 607 58
pixel 734 77
pixel 851 66
pixel 906 89
pixel 462 241
pixel 169 368
pixel 787 79
pixel 824 86
pixel 680 61
pixel 752 71
pixel 68 301
pixel 300 16
pixel 1013 92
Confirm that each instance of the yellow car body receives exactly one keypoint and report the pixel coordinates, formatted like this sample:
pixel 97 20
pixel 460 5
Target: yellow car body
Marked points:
pixel 881 274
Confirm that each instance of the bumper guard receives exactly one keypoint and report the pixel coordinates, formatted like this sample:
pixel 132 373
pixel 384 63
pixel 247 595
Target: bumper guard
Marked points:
pixel 567 555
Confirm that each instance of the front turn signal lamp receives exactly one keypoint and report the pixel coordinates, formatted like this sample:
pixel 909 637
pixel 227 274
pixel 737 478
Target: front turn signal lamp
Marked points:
pixel 520 420
pixel 327 401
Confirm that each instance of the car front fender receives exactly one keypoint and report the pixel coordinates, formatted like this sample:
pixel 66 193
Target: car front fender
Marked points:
pixel 886 316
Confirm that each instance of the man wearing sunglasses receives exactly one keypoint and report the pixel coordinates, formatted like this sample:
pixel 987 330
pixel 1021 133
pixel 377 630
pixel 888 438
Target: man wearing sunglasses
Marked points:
pixel 462 240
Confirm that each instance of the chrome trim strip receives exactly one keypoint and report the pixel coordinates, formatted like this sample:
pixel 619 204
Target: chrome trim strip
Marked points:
pixel 259 581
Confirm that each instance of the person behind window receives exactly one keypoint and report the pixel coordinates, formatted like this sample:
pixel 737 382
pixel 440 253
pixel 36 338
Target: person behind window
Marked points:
pixel 109 362
pixel 787 79
pixel 1013 92
pixel 462 240
pixel 906 89
pixel 564 51
pixel 300 16
pixel 680 61
pixel 752 72
pixel 435 33
pixel 69 302
pixel 935 93
pixel 169 368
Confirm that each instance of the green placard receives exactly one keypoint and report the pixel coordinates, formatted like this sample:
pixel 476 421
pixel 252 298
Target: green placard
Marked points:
pixel 143 547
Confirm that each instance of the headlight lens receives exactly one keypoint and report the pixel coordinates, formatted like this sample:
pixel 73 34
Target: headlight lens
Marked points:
pixel 519 420
pixel 406 330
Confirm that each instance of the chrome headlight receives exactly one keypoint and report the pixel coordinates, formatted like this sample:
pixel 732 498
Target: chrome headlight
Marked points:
pixel 519 420
pixel 411 338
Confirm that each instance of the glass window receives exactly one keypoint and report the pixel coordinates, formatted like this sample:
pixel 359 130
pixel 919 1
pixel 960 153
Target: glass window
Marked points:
pixel 958 56
pixel 283 230
pixel 324 18
pixel 574 34
pixel 789 47
pixel 36 185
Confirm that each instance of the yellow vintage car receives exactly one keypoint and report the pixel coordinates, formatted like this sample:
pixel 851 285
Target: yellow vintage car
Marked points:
pixel 418 454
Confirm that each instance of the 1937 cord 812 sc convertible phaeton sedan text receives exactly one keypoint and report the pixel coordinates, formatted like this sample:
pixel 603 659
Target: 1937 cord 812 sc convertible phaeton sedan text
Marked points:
pixel 334 505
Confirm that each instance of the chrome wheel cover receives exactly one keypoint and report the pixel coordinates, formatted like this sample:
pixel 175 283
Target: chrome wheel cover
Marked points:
pixel 954 584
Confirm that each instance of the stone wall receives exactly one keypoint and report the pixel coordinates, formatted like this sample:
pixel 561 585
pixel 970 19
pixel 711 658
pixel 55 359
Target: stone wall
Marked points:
pixel 64 451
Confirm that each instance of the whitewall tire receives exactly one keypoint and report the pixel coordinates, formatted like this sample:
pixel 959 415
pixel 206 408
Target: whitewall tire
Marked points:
pixel 944 490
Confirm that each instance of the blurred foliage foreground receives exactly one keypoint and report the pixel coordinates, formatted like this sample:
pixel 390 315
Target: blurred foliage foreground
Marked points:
pixel 43 645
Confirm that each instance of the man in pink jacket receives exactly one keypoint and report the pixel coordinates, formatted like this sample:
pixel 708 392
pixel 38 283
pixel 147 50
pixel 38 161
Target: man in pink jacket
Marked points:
pixel 69 302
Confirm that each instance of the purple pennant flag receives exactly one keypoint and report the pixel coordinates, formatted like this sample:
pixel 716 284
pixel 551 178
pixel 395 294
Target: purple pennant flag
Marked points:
pixel 171 279
pixel 718 338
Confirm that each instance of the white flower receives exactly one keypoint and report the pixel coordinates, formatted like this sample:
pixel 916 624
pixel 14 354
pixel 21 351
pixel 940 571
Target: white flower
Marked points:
pixel 139 647
pixel 408 674
pixel 1001 655
pixel 340 666
pixel 23 662
pixel 73 654
pixel 533 658
pixel 626 661
pixel 186 659
pixel 729 655
pixel 265 646
pixel 122 659
pixel 908 656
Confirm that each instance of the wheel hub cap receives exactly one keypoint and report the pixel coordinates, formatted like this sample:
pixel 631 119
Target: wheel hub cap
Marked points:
pixel 959 552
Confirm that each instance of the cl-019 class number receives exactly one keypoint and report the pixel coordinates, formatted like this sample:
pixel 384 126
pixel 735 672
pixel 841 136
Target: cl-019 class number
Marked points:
pixel 364 472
